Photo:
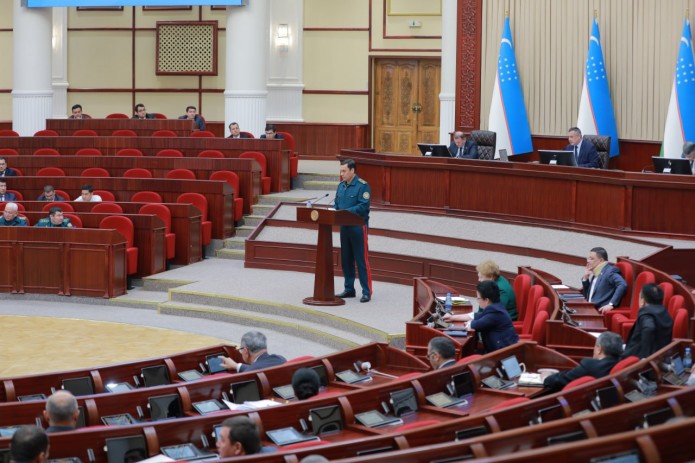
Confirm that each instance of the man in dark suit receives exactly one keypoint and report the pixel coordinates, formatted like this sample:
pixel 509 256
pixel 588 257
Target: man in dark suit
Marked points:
pixel 441 352
pixel 689 153
pixel 4 194
pixel 235 131
pixel 584 151
pixel 602 283
pixel 463 147
pixel 29 444
pixel 61 412
pixel 6 171
pixel 653 328
pixel 191 113
pixel 254 354
pixel 271 133
pixel 607 351
pixel 141 112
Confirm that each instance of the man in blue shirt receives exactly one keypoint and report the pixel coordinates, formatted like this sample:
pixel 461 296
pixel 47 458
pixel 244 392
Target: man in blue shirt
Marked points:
pixel 354 195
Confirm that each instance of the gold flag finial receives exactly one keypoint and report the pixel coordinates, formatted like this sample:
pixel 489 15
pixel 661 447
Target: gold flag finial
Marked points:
pixel 595 14
pixel 506 13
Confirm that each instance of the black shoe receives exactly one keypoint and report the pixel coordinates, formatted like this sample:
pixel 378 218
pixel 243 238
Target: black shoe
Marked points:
pixel 365 298
pixel 345 294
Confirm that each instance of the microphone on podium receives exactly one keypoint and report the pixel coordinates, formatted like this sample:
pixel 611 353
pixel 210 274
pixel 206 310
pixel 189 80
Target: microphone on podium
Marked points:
pixel 311 202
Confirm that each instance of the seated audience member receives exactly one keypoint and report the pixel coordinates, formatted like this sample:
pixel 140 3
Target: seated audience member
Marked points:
pixel 239 436
pixel 49 194
pixel 10 217
pixel 653 328
pixel 584 151
pixel 4 194
pixel 463 147
pixel 689 153
pixel 29 444
pixel 271 133
pixel 489 270
pixel 492 321
pixel 602 283
pixel 305 383
pixel 141 112
pixel 441 352
pixel 253 348
pixel 607 351
pixel 6 171
pixel 88 195
pixel 235 131
pixel 55 219
pixel 191 114
pixel 77 113
pixel 61 412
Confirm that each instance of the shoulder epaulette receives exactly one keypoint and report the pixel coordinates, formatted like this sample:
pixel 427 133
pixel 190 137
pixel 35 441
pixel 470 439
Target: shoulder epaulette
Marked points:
pixel 362 181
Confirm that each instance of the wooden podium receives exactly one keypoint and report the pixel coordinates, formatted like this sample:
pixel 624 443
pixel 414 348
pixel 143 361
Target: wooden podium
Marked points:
pixel 324 291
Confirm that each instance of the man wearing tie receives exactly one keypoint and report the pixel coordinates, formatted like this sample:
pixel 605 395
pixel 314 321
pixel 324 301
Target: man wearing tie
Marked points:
pixel 602 283
pixel 689 153
pixel 4 195
pixel 463 147
pixel 584 151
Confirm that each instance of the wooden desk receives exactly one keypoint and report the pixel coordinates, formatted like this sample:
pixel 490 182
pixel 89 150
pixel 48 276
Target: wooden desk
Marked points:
pixel 105 127
pixel 62 261
pixel 219 195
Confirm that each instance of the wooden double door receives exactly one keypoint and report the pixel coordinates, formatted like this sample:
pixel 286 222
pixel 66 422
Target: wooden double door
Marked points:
pixel 406 104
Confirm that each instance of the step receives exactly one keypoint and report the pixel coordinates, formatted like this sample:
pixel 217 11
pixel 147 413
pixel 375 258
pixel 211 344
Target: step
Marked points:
pixel 236 254
pixel 253 220
pixel 297 196
pixel 262 209
pixel 321 185
pixel 244 231
pixel 142 297
pixel 237 242
pixel 319 333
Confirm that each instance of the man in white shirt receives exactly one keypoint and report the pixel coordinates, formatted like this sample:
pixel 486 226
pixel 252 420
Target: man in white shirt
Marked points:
pixel 88 195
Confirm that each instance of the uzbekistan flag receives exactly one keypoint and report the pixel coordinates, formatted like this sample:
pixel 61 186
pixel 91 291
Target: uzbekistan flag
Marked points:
pixel 507 110
pixel 680 119
pixel 596 115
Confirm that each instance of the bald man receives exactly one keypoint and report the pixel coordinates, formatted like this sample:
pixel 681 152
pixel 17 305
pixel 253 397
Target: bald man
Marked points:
pixel 61 412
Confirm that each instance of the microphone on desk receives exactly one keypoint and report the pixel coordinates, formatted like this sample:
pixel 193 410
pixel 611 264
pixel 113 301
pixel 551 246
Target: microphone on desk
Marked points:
pixel 311 202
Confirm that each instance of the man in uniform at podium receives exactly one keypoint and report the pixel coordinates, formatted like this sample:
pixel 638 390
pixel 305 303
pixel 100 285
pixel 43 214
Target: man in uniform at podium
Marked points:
pixel 354 195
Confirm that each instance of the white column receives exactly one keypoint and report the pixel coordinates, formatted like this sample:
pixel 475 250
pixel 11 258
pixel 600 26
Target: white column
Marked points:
pixel 447 97
pixel 32 94
pixel 60 63
pixel 245 92
pixel 285 76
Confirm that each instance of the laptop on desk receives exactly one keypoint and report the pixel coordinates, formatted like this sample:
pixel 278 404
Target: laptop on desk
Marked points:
pixel 677 376
pixel 434 150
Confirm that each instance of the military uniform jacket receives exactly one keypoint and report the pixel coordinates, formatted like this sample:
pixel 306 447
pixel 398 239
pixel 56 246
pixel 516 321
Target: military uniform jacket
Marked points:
pixel 16 222
pixel 46 222
pixel 354 197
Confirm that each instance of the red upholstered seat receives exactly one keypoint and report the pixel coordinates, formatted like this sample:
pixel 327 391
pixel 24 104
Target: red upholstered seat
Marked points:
pixel 129 152
pixel 74 220
pixel 46 133
pixel 50 172
pixel 642 279
pixel 20 207
pixel 201 204
pixel 8 133
pixel 159 116
pixel 20 215
pixel 124 133
pixel 524 326
pixel 668 292
pixel 137 172
pixel 538 330
pixel 233 179
pixel 18 172
pixel 88 152
pixel 107 208
pixel 521 285
pixel 8 152
pixel 146 197
pixel 260 159
pixel 680 325
pixel 46 152
pixel 169 153
pixel 66 207
pixel 674 304
pixel 125 226
pixel 294 159
pixel 105 195
pixel 578 382
pixel 85 133
pixel 248 134
pixel 624 363
pixel 62 194
pixel 163 133
pixel 542 305
pixel 509 403
pixel 117 116
pixel 20 196
pixel 628 275
pixel 203 134
pixel 211 154
pixel 181 174
pixel 164 214
pixel 95 172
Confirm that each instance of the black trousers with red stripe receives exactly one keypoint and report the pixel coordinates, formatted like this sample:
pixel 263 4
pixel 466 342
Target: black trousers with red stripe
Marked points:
pixel 354 249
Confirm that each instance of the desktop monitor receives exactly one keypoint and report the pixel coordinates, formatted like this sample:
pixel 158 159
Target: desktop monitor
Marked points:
pixel 323 376
pixel 155 376
pixel 245 391
pixel 165 406
pixel 434 150
pixel 557 157
pixel 463 383
pixel 403 401
pixel 128 449
pixel 672 166
pixel 79 386
pixel 326 419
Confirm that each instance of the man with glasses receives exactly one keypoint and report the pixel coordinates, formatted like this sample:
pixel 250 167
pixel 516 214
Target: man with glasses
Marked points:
pixel 441 352
pixel 253 348
pixel 271 133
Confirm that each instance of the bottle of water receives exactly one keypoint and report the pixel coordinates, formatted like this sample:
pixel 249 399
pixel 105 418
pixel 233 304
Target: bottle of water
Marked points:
pixel 687 359
pixel 447 303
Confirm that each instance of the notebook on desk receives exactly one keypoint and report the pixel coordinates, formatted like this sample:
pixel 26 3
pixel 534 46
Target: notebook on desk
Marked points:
pixel 376 419
pixel 287 436
pixel 350 377
pixel 494 382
